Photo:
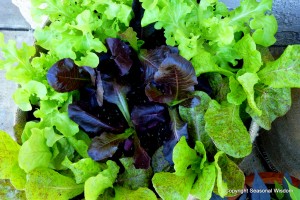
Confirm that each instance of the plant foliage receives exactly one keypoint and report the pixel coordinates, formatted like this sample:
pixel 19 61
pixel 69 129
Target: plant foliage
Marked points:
pixel 121 89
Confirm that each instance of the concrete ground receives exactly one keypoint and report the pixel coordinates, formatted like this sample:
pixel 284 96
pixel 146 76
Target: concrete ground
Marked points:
pixel 15 27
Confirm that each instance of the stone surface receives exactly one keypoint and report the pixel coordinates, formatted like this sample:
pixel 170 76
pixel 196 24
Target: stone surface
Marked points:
pixel 10 17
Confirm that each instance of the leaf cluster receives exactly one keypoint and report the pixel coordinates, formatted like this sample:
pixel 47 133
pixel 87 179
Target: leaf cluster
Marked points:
pixel 121 90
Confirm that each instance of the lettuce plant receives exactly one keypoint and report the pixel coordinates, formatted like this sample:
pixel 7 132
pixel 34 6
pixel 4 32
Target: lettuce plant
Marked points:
pixel 140 100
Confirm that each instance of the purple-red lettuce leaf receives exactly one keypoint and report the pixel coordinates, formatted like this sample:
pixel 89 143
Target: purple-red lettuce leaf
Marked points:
pixel 116 94
pixel 66 76
pixel 99 89
pixel 105 145
pixel 107 66
pixel 121 54
pixel 152 59
pixel 179 129
pixel 147 116
pixel 158 92
pixel 175 79
pixel 96 121
pixel 151 122
pixel 141 157
pixel 92 73
pixel 97 83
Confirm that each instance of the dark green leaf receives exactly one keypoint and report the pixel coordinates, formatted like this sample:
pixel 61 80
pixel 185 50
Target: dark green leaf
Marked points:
pixel 133 178
pixel 194 116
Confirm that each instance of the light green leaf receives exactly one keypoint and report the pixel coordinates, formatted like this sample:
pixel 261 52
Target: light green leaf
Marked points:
pixel 9 168
pixel 265 30
pixel 204 185
pixel 294 191
pixel 248 80
pixel 32 88
pixel 34 152
pixel 141 193
pixel 67 44
pixel 51 116
pixel 83 169
pixel 43 183
pixel 188 46
pixel 218 31
pixel 119 11
pixel 183 157
pixel 152 10
pixel 226 129
pixel 283 72
pixel 274 102
pixel 61 149
pixel 91 60
pixel 204 62
pixel 172 17
pixel 17 177
pixel 27 130
pixel 246 49
pixel 86 22
pixel 51 136
pixel 279 195
pixel 172 187
pixel 133 178
pixel 247 11
pixel 79 145
pixel 131 36
pixel 237 94
pixel 200 149
pixel 229 176
pixel 16 61
pixel 67 10
pixel 9 154
pixel 96 185
pixel 194 116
